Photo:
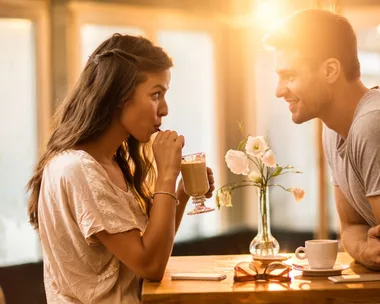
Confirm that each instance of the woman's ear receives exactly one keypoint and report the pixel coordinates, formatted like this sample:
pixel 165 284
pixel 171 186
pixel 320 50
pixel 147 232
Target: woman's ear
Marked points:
pixel 331 70
pixel 122 104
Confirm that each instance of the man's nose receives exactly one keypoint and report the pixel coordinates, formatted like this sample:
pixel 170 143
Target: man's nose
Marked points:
pixel 281 90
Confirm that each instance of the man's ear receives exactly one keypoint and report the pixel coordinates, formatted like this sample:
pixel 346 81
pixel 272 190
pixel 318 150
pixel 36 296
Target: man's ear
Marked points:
pixel 331 70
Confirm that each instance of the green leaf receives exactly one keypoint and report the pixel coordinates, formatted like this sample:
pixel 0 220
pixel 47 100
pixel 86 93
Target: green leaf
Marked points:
pixel 277 171
pixel 241 126
pixel 242 144
pixel 289 167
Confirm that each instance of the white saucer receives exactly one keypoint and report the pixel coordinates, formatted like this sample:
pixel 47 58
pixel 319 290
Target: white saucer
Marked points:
pixel 271 258
pixel 320 272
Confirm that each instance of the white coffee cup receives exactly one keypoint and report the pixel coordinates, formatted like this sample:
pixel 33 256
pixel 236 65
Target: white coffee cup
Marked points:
pixel 321 254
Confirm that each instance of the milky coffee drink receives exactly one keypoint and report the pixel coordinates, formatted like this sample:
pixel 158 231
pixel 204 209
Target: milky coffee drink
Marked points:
pixel 195 179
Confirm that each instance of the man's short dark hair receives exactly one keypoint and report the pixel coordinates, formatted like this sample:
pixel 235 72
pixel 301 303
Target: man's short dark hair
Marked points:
pixel 319 35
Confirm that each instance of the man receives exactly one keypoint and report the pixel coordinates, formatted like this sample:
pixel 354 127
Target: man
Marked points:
pixel 319 77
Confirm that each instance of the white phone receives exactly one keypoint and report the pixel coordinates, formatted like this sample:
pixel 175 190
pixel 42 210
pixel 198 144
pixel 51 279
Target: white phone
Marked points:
pixel 366 277
pixel 198 276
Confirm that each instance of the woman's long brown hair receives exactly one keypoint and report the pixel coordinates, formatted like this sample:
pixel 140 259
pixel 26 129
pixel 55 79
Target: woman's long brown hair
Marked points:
pixel 109 78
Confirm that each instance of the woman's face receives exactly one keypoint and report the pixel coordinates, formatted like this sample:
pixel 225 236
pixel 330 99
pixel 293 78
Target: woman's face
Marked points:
pixel 142 114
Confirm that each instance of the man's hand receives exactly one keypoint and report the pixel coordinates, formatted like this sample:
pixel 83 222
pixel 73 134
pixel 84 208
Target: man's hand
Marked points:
pixel 370 251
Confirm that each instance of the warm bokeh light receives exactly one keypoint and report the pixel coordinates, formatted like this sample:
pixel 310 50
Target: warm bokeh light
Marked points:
pixel 267 14
pixel 14 23
pixel 264 16
pixel 378 29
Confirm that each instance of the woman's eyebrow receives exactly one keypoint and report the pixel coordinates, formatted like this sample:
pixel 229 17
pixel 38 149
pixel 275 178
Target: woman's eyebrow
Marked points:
pixel 161 87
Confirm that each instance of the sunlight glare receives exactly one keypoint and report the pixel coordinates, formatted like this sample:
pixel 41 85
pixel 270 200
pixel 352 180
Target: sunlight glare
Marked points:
pixel 267 14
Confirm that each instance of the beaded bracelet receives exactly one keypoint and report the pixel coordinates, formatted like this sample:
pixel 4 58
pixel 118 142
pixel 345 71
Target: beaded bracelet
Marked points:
pixel 167 193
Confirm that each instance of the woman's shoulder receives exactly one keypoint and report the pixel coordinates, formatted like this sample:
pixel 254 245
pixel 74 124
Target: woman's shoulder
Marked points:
pixel 73 163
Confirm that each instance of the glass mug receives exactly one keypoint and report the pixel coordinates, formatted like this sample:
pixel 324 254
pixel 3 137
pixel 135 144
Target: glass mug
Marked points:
pixel 195 180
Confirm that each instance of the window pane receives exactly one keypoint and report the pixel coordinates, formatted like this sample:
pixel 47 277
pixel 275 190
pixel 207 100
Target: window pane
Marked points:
pixel 369 63
pixel 191 101
pixel 92 35
pixel 18 137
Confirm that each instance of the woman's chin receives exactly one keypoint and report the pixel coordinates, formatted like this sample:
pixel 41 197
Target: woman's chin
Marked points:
pixel 144 139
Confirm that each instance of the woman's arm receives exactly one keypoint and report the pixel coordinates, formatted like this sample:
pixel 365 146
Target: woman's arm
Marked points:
pixel 147 255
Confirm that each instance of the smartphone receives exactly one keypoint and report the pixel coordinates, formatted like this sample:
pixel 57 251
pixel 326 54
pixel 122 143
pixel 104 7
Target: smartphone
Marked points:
pixel 367 277
pixel 198 276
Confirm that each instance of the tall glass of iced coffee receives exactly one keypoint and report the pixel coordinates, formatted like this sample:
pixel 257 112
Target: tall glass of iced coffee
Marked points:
pixel 194 175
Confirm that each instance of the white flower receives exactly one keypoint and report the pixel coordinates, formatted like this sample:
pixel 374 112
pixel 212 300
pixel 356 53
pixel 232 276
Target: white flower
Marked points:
pixel 224 198
pixel 255 146
pixel 298 193
pixel 237 161
pixel 254 176
pixel 269 159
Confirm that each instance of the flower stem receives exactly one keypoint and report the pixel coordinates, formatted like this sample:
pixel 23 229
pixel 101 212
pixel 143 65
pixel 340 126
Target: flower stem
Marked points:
pixel 263 204
pixel 278 185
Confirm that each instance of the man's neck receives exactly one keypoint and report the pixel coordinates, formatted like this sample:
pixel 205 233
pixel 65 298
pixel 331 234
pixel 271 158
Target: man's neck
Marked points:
pixel 340 114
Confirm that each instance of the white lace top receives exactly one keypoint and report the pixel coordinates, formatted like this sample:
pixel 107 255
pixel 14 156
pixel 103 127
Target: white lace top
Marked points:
pixel 76 201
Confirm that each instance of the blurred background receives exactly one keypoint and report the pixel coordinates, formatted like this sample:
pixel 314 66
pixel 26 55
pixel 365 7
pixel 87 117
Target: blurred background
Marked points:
pixel 222 76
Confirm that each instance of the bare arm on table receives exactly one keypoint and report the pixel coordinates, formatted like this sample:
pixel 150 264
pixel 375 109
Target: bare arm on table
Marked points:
pixel 360 240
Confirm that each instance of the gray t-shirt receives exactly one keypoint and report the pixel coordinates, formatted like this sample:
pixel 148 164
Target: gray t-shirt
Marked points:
pixel 355 161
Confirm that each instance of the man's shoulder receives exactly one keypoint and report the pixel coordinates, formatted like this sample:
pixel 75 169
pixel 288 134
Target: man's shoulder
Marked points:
pixel 370 103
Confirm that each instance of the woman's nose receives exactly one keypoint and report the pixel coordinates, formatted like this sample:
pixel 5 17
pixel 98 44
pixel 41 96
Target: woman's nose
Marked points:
pixel 163 109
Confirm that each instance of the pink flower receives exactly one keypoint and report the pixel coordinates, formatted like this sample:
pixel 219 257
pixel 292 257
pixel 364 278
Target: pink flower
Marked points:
pixel 254 176
pixel 237 161
pixel 223 198
pixel 256 146
pixel 269 159
pixel 298 193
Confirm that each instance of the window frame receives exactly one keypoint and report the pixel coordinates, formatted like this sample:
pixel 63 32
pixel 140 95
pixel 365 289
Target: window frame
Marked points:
pixel 37 11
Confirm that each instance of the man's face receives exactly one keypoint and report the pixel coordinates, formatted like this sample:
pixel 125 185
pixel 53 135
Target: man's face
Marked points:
pixel 301 86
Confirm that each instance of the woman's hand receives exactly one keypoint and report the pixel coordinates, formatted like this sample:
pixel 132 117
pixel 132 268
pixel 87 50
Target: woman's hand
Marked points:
pixel 210 176
pixel 167 150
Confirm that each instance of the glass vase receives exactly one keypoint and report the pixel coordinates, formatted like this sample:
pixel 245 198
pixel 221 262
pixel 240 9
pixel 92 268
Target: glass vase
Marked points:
pixel 264 243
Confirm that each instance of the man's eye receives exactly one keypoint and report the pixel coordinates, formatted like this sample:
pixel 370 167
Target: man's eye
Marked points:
pixel 289 77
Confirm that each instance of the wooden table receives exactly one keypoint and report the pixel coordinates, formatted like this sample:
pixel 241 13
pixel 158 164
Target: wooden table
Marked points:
pixel 301 289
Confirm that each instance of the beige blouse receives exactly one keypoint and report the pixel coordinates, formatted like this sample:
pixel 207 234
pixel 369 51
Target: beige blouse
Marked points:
pixel 76 201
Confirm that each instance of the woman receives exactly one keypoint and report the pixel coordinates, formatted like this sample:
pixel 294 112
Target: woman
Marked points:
pixel 91 191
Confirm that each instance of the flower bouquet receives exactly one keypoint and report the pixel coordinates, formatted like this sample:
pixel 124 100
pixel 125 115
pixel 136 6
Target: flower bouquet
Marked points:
pixel 256 161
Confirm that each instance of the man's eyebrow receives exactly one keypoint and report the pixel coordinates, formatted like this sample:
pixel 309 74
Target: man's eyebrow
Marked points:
pixel 160 86
pixel 285 71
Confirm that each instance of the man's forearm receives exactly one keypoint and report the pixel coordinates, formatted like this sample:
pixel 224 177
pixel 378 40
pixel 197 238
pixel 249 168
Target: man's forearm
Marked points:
pixel 354 238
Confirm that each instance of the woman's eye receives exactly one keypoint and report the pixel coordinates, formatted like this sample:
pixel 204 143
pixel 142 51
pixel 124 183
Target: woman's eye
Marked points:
pixel 156 95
